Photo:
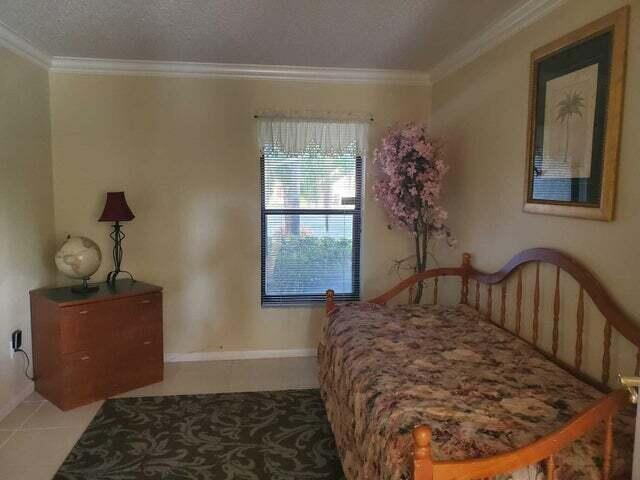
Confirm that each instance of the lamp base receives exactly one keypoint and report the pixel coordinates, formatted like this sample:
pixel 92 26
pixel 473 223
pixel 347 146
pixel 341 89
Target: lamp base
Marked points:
pixel 117 235
pixel 111 276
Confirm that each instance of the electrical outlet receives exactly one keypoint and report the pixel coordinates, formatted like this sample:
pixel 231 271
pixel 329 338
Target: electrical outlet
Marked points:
pixel 16 341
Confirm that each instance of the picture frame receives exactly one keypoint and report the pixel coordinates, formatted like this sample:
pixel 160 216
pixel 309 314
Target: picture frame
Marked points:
pixel 576 94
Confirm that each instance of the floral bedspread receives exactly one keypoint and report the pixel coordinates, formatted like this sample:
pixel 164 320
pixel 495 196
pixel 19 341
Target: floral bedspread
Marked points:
pixel 385 370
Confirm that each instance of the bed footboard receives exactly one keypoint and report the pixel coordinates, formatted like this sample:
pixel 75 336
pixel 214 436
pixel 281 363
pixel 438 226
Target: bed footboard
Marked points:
pixel 543 450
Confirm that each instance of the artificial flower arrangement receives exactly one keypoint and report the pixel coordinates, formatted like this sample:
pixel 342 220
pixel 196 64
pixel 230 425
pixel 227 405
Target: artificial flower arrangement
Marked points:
pixel 411 169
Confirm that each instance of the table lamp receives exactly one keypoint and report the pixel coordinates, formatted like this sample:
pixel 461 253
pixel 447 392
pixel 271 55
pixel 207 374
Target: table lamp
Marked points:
pixel 116 210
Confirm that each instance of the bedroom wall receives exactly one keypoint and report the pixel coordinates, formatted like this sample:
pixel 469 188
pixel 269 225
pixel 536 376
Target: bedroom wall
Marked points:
pixel 481 111
pixel 184 151
pixel 26 212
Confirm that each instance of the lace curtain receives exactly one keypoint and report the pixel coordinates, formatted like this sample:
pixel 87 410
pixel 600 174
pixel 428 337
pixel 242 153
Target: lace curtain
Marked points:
pixel 327 137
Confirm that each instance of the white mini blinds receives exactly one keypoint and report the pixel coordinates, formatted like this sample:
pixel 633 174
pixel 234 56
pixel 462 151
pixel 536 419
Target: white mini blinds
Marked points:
pixel 311 178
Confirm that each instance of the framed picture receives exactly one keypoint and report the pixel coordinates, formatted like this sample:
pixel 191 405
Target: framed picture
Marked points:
pixel 575 114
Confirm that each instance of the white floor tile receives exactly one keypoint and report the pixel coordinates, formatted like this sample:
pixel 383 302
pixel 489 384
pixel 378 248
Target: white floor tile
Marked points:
pixel 28 472
pixel 35 397
pixel 4 436
pixel 50 416
pixel 199 377
pixel 38 447
pixel 257 375
pixel 301 373
pixel 18 416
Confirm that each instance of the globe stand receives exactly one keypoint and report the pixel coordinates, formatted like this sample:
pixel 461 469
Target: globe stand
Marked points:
pixel 85 287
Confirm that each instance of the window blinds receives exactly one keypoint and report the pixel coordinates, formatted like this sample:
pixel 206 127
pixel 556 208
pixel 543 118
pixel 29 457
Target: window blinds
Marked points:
pixel 311 211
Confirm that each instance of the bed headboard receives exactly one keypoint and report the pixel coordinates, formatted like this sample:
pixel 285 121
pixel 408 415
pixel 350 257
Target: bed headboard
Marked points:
pixel 494 286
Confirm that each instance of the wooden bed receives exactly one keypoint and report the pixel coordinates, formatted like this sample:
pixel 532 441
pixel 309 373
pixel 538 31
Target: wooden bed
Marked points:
pixel 494 294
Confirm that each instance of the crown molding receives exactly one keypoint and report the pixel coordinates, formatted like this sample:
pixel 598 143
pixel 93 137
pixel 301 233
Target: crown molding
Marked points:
pixel 20 46
pixel 509 24
pixel 227 70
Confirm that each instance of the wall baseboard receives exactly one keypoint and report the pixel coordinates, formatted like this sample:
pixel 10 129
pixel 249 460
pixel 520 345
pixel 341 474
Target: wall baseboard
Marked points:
pixel 238 355
pixel 16 400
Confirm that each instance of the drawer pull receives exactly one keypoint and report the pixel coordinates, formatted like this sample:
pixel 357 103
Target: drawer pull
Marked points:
pixel 145 301
pixel 83 312
pixel 148 342
pixel 85 358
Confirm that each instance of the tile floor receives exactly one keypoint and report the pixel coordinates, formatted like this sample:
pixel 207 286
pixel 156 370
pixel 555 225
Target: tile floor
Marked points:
pixel 36 437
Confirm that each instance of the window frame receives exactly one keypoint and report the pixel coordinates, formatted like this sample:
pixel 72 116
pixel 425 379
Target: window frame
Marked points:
pixel 356 236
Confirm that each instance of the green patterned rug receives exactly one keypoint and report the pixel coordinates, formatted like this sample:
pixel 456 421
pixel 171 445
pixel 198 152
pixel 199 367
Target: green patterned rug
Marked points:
pixel 230 436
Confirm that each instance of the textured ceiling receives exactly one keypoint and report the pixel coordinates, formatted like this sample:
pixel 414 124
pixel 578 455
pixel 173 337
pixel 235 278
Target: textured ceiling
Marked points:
pixel 398 34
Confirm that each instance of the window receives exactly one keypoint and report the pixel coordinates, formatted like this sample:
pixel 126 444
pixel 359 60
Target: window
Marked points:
pixel 311 214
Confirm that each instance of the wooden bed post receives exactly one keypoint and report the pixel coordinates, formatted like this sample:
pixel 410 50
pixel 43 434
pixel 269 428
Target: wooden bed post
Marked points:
pixel 422 461
pixel 464 291
pixel 330 305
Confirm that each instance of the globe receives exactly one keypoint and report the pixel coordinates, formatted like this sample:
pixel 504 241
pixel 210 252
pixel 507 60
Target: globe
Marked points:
pixel 79 257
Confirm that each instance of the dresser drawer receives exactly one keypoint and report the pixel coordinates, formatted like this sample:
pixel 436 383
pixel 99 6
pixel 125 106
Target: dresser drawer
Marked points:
pixel 141 320
pixel 86 327
pixel 83 377
pixel 139 362
pixel 142 323
pixel 144 304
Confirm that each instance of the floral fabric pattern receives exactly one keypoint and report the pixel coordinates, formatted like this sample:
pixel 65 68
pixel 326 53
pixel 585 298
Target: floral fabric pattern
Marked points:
pixel 481 390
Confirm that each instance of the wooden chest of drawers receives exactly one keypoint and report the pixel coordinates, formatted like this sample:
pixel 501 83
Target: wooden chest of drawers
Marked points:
pixel 88 347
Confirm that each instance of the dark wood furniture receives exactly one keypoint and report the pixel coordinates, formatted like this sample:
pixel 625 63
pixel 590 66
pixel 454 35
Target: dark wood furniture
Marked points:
pixel 599 415
pixel 89 347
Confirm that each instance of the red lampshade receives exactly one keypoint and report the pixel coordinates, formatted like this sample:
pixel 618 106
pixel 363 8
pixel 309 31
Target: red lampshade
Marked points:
pixel 116 209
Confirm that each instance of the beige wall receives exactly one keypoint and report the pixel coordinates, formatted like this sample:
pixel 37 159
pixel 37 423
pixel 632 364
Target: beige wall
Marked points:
pixel 26 208
pixel 481 110
pixel 184 151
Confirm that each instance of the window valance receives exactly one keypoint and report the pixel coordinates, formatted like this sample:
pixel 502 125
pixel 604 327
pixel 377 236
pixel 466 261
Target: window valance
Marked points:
pixel 294 136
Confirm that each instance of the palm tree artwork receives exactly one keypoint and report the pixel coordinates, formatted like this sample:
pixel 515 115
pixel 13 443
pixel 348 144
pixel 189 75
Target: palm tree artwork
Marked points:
pixel 571 105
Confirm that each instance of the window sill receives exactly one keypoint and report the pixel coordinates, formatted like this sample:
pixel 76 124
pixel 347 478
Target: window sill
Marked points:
pixel 306 303
pixel 301 304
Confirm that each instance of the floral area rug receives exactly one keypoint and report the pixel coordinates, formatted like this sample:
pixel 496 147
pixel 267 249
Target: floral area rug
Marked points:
pixel 239 436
